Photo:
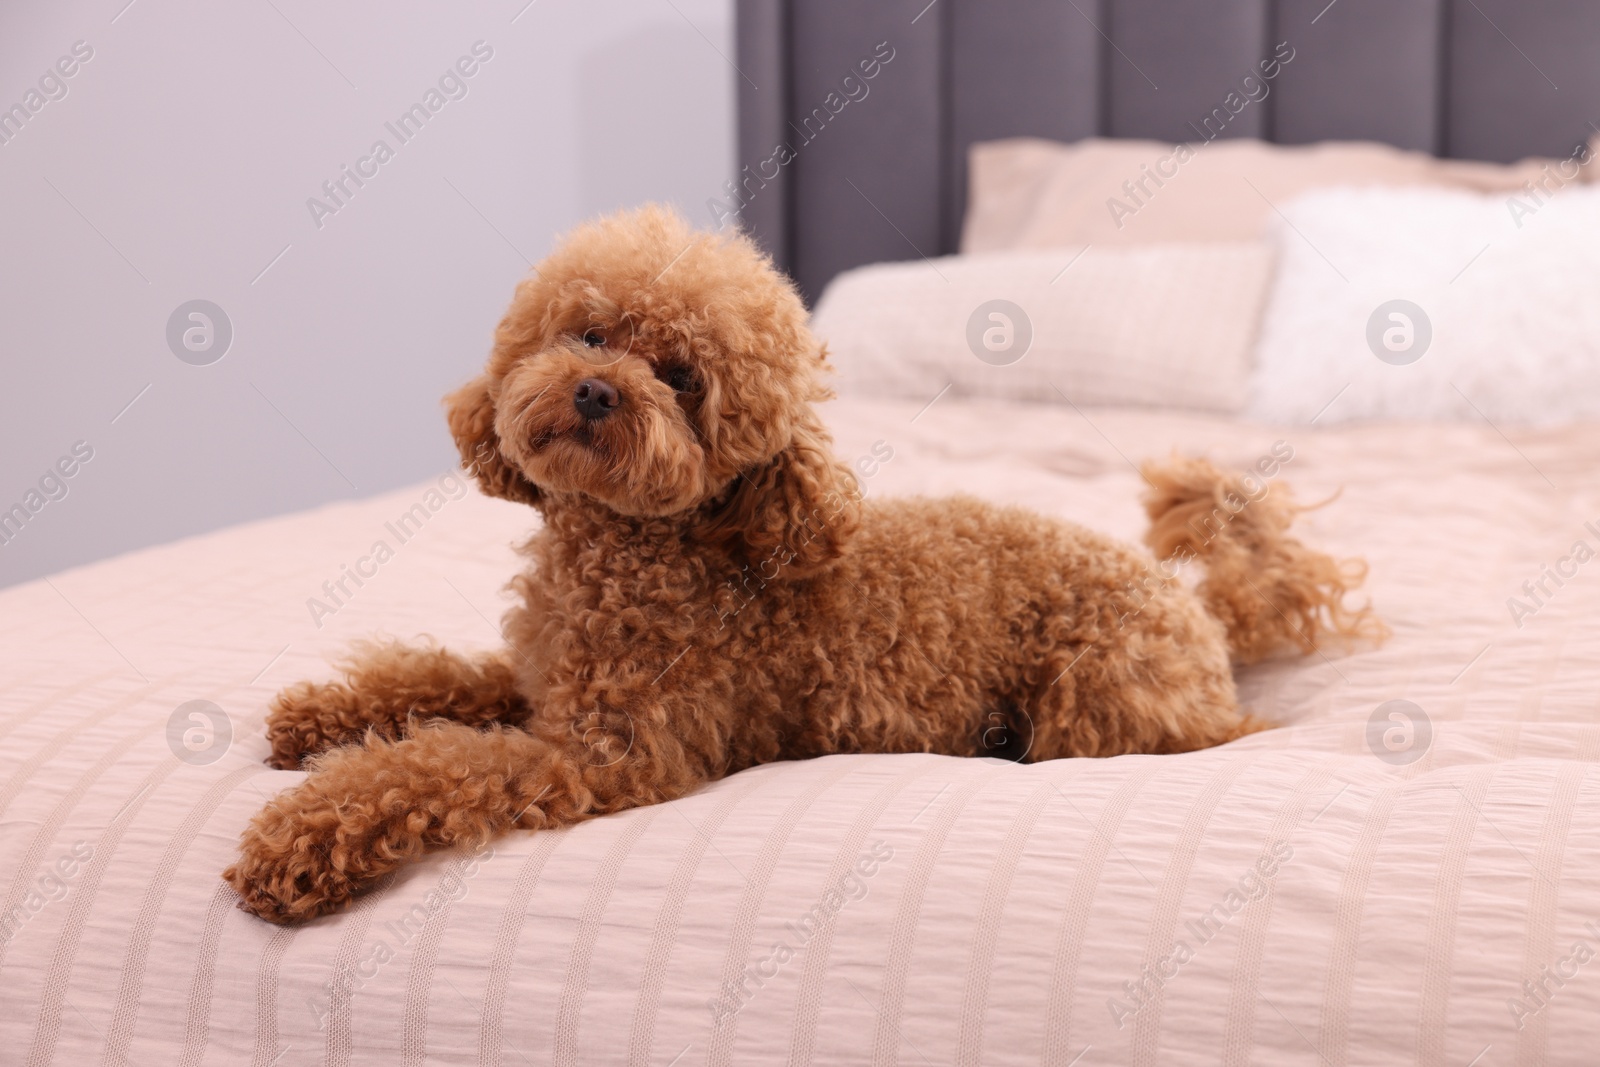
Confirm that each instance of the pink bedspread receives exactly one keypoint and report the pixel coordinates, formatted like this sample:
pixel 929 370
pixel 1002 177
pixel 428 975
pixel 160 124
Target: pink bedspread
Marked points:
pixel 1419 889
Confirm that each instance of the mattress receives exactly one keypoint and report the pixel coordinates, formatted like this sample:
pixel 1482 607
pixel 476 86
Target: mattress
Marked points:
pixel 1350 888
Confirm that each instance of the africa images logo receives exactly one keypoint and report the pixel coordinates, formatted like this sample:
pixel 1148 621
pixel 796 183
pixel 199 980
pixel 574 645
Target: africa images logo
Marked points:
pixel 52 86
pixel 199 332
pixel 52 486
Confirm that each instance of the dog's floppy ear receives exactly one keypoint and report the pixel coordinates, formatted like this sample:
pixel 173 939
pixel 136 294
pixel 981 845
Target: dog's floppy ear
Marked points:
pixel 471 411
pixel 792 515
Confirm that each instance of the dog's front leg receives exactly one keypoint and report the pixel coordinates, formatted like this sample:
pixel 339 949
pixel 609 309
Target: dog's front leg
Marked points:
pixel 367 809
pixel 386 687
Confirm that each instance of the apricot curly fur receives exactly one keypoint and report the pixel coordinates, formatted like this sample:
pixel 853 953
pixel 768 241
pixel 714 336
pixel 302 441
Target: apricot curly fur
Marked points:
pixel 1268 589
pixel 385 686
pixel 709 590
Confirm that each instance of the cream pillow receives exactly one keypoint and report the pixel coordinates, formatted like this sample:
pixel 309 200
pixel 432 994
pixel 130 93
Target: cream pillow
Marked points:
pixel 1030 193
pixel 1168 326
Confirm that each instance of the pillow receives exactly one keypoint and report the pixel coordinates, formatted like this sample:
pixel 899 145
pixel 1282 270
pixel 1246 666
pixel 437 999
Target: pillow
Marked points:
pixel 1161 326
pixel 1414 304
pixel 1030 193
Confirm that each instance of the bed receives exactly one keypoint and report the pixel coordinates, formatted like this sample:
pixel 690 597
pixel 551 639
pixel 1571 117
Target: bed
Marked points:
pixel 1402 871
pixel 1014 900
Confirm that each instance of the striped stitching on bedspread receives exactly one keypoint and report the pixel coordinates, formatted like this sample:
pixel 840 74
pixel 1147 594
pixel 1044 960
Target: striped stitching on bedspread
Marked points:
pixel 903 930
pixel 975 997
pixel 60 972
pixel 126 1013
pixel 32 765
pixel 743 928
pixel 1239 1031
pixel 34 710
pixel 1333 1032
pixel 197 1015
pixel 339 1044
pixel 52 823
pixel 814 964
pixel 1058 1043
pixel 1544 898
pixel 491 1035
pixel 1433 1003
pixel 53 1000
pixel 576 984
pixel 266 1051
pixel 424 960
pixel 1146 1038
pixel 665 934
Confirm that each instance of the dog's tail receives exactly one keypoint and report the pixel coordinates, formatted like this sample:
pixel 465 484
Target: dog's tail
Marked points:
pixel 1269 590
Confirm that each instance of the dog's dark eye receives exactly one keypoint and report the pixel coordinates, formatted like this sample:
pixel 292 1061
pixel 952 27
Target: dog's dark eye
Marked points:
pixel 677 376
pixel 594 338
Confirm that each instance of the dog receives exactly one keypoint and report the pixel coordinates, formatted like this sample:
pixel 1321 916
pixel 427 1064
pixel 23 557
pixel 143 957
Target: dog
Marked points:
pixel 709 591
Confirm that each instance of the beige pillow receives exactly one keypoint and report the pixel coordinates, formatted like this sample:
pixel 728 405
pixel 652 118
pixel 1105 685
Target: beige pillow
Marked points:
pixel 1163 326
pixel 1030 193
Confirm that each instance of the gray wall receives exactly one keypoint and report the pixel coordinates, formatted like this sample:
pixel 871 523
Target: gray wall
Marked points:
pixel 177 166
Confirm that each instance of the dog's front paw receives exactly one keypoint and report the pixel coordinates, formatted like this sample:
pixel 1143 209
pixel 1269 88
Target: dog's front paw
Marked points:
pixel 296 862
pixel 308 718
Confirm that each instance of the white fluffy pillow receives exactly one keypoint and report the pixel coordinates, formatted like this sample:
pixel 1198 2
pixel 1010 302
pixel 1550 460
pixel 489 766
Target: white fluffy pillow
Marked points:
pixel 1166 326
pixel 1508 288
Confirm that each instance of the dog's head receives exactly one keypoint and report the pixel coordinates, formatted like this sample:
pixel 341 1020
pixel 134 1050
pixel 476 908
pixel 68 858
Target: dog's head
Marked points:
pixel 652 370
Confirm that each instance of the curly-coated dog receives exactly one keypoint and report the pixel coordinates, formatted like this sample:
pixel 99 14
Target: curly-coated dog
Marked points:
pixel 709 591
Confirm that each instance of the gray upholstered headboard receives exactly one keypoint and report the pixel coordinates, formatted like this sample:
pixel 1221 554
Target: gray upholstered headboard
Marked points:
pixel 877 170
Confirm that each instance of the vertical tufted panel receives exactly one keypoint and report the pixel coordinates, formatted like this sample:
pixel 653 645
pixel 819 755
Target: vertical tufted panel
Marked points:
pixel 1363 70
pixel 1017 68
pixel 1524 77
pixel 885 178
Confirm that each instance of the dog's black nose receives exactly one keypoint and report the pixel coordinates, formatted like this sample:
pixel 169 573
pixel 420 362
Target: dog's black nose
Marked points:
pixel 595 399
